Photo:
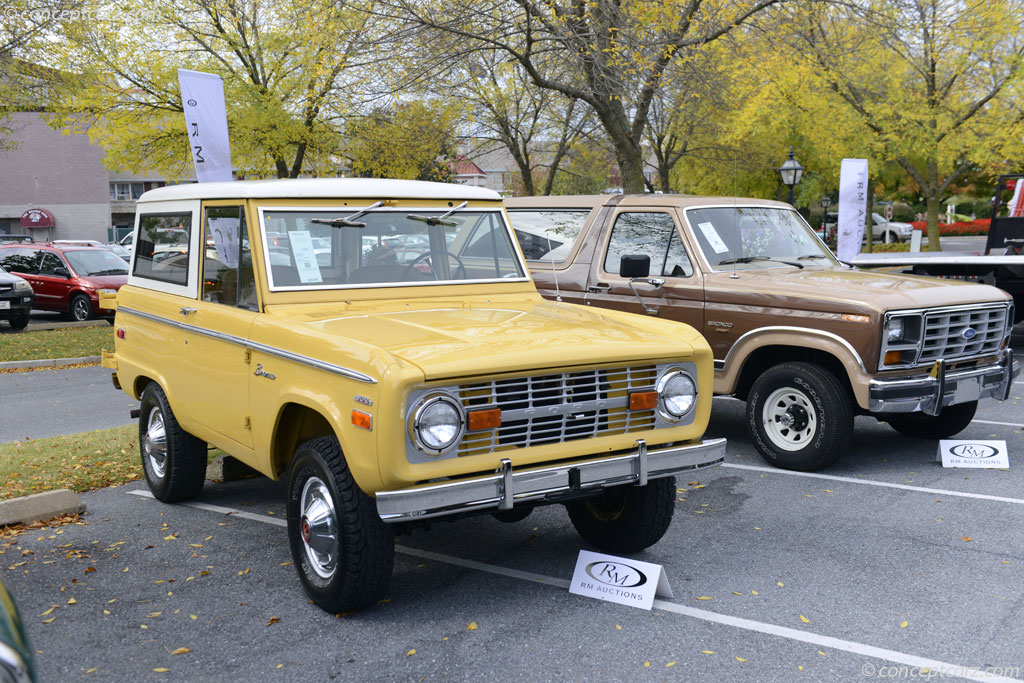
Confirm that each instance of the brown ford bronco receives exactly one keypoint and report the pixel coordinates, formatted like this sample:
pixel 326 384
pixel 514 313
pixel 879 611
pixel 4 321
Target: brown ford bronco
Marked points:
pixel 805 340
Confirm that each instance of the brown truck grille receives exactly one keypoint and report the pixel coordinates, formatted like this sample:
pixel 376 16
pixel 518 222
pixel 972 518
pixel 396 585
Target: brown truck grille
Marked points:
pixel 559 407
pixel 944 333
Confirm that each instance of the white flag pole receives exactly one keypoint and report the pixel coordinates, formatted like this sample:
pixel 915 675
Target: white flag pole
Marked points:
pixel 206 120
pixel 853 193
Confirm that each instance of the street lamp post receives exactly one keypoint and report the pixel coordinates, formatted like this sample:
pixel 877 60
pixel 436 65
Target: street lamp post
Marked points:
pixel 825 201
pixel 791 172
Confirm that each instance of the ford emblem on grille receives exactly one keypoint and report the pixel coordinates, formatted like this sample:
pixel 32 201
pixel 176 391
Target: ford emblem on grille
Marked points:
pixel 969 333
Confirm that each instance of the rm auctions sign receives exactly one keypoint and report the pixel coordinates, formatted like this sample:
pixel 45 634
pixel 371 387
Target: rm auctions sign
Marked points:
pixel 989 454
pixel 616 579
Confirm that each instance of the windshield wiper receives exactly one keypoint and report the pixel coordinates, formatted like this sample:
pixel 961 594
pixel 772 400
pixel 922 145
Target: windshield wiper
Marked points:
pixel 111 271
pixel 438 220
pixel 749 259
pixel 810 256
pixel 348 221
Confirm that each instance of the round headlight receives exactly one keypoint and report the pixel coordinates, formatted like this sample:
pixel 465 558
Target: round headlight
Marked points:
pixel 437 424
pixel 677 393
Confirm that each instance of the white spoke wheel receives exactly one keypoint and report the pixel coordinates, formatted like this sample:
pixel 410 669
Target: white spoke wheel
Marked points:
pixel 800 416
pixel 342 550
pixel 789 418
pixel 173 461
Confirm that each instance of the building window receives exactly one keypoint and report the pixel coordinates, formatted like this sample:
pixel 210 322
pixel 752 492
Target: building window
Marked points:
pixel 125 191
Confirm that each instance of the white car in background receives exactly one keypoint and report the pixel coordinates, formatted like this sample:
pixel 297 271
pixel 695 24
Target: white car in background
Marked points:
pixel 881 231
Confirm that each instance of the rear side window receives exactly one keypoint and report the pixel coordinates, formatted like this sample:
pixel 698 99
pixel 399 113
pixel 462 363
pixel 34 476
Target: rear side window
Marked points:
pixel 20 259
pixel 548 235
pixel 162 249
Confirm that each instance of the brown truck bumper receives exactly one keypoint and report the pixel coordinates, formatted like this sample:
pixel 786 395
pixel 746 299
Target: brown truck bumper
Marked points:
pixel 508 487
pixel 940 388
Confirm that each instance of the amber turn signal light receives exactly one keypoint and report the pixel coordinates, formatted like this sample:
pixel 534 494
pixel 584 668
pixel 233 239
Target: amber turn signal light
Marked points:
pixel 892 357
pixel 484 419
pixel 363 420
pixel 643 400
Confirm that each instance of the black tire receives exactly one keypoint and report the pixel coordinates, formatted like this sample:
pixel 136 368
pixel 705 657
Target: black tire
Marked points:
pixel 799 417
pixel 18 322
pixel 626 519
pixel 80 308
pixel 516 514
pixel 173 460
pixel 950 421
pixel 342 550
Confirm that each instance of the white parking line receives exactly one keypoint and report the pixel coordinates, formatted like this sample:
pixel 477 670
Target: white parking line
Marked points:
pixel 871 482
pixel 1005 424
pixel 853 647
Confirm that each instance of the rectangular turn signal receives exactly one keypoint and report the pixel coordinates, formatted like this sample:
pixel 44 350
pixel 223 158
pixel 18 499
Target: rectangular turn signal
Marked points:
pixel 892 357
pixel 363 420
pixel 484 419
pixel 643 400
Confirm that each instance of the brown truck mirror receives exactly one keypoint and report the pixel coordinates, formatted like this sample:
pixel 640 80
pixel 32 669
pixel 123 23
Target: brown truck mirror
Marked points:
pixel 635 265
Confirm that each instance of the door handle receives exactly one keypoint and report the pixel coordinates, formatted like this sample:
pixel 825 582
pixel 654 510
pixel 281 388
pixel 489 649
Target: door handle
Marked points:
pixel 598 287
pixel 185 310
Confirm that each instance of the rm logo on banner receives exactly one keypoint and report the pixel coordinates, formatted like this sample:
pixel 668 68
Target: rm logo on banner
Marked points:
pixel 206 120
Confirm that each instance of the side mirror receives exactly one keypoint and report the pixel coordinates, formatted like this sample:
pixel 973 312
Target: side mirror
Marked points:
pixel 62 272
pixel 635 265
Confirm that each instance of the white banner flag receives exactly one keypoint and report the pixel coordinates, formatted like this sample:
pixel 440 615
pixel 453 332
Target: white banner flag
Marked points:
pixel 853 205
pixel 202 97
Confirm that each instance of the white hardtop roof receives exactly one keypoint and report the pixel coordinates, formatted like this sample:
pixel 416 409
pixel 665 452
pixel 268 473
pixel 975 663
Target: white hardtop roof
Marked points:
pixel 327 188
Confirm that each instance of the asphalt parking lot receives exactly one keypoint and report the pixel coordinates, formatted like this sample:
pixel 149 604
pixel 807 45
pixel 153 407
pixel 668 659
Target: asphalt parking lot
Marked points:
pixel 880 566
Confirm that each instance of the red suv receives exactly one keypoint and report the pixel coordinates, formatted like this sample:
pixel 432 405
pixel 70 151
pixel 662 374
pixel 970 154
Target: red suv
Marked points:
pixel 67 278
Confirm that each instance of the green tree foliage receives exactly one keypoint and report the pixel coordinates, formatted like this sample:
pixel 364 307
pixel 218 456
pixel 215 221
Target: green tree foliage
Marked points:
pixel 413 140
pixel 286 65
pixel 610 54
pixel 926 84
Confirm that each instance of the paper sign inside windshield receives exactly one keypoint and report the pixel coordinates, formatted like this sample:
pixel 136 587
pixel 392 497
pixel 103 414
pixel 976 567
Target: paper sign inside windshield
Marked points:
pixel 712 237
pixel 305 258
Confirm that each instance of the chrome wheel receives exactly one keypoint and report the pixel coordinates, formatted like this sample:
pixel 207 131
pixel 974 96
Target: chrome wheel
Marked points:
pixel 789 419
pixel 154 443
pixel 81 309
pixel 318 526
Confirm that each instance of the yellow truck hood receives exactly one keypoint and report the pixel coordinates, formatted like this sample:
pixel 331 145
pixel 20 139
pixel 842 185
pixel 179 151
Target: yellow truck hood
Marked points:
pixel 447 339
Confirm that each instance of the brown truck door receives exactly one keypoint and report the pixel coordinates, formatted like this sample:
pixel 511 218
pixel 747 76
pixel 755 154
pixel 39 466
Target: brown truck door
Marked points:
pixel 654 234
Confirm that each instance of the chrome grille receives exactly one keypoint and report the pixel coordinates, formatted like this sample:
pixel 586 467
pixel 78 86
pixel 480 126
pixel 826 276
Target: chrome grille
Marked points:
pixel 559 407
pixel 943 333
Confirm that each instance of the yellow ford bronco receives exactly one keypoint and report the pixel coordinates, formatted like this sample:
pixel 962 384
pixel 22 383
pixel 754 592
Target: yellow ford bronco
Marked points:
pixel 380 344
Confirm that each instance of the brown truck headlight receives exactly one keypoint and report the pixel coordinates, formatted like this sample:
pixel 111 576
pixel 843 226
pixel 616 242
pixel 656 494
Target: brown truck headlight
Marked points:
pixel 677 392
pixel 437 423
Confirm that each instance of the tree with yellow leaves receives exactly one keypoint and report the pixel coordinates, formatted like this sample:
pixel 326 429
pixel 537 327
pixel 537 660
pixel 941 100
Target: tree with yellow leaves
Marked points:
pixel 286 66
pixel 609 54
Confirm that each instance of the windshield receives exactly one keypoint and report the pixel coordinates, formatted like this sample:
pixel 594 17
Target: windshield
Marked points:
pixel 96 262
pixel 396 247
pixel 737 237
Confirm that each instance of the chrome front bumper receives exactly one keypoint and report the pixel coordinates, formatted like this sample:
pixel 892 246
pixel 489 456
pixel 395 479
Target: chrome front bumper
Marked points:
pixel 508 487
pixel 940 388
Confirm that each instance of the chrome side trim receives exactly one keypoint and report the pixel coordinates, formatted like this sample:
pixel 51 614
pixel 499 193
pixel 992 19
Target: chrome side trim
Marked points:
pixel 508 487
pixel 255 346
pixel 799 330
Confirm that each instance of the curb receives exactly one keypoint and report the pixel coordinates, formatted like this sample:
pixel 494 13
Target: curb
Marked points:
pixel 48 362
pixel 61 324
pixel 40 507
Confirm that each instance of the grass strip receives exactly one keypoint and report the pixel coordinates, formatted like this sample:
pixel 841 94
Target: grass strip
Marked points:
pixel 66 342
pixel 80 462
